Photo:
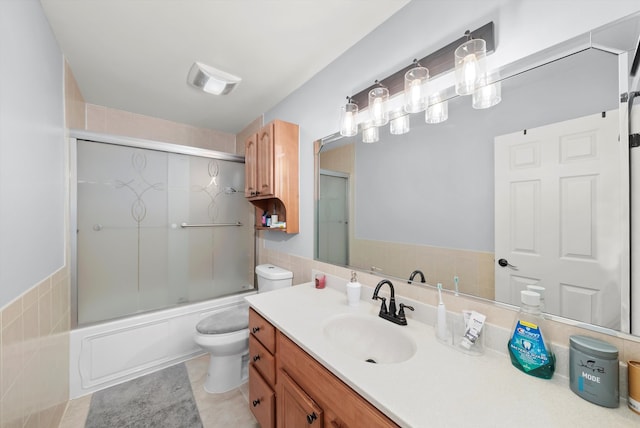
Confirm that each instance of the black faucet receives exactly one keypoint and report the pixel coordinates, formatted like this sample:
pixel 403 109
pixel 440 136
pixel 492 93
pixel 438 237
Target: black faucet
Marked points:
pixel 413 275
pixel 390 314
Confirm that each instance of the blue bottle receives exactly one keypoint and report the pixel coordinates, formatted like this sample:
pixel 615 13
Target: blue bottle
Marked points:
pixel 528 349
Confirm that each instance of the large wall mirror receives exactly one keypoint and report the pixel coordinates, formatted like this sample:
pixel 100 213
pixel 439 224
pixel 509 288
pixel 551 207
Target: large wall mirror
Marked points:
pixel 533 191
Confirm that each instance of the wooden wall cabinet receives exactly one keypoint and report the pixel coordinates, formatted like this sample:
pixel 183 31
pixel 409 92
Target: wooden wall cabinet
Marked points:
pixel 289 389
pixel 271 173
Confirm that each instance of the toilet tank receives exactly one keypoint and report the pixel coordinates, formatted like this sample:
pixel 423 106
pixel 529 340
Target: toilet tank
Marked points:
pixel 271 277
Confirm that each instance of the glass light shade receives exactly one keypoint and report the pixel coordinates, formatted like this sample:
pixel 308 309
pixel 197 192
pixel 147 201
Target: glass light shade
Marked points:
pixel 438 110
pixel 470 65
pixel 370 134
pixel 399 123
pixel 487 96
pixel 378 113
pixel 415 89
pixel 348 120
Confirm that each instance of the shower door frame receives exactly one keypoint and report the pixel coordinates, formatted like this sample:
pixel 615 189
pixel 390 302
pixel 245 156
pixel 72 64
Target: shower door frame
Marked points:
pixel 118 140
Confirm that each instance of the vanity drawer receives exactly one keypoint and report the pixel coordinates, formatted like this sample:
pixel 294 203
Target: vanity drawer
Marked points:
pixel 262 330
pixel 262 360
pixel 261 399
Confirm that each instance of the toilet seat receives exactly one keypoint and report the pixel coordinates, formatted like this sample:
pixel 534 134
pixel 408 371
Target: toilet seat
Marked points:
pixel 227 321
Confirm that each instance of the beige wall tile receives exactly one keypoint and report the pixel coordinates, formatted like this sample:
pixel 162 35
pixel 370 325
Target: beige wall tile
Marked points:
pixel 12 311
pixel 119 122
pixel 34 364
pixel 12 353
pixel 73 101
pixel 96 118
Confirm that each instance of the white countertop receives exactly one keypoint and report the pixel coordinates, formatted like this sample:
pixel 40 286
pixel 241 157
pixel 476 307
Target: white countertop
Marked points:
pixel 438 386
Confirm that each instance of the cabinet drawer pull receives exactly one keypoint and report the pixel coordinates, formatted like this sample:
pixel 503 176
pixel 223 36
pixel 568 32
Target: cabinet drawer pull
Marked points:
pixel 256 402
pixel 312 417
pixel 256 358
pixel 254 330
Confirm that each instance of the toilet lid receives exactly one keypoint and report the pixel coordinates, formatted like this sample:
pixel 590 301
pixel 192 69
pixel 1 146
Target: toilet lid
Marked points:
pixel 226 321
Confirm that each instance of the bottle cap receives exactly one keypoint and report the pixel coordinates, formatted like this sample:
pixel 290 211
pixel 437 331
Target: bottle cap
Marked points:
pixel 530 298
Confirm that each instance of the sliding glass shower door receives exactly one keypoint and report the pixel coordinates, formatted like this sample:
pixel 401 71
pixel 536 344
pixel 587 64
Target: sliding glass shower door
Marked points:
pixel 156 229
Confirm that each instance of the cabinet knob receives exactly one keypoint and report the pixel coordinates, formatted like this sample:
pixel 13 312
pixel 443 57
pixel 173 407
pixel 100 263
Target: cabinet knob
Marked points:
pixel 312 417
pixel 256 402
pixel 256 358
pixel 255 330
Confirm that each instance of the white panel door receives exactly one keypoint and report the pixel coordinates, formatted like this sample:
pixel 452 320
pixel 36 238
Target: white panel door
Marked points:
pixel 558 217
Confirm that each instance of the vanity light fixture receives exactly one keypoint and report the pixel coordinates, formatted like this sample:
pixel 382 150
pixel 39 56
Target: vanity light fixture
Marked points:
pixel 438 110
pixel 399 122
pixel 462 57
pixel 378 98
pixel 211 80
pixel 348 118
pixel 415 88
pixel 470 64
pixel 370 133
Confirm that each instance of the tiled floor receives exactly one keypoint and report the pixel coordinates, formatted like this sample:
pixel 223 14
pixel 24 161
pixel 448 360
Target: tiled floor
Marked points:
pixel 230 409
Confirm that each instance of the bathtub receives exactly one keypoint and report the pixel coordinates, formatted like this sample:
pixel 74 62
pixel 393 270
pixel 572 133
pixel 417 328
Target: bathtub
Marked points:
pixel 113 352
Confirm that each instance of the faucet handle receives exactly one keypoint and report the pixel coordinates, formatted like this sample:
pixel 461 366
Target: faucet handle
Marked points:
pixel 401 312
pixel 383 306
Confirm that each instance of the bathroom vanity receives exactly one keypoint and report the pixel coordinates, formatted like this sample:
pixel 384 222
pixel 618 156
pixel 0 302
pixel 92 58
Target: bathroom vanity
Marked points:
pixel 308 394
pixel 322 377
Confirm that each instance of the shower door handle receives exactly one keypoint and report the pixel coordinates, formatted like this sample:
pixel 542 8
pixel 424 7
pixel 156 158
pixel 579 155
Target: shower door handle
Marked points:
pixel 183 225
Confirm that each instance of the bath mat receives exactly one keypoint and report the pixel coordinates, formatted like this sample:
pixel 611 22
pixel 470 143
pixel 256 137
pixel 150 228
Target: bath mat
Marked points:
pixel 158 400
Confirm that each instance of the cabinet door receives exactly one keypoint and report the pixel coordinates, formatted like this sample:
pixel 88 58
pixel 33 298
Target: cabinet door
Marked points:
pixel 265 161
pixel 295 408
pixel 251 166
pixel 261 399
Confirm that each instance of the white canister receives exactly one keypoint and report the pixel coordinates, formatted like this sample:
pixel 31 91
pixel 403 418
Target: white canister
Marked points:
pixel 353 291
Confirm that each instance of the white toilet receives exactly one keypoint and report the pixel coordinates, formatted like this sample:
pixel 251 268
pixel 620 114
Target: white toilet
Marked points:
pixel 225 335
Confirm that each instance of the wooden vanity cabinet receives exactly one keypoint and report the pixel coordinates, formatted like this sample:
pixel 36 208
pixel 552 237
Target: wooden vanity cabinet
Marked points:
pixel 271 173
pixel 289 389
pixel 340 405
pixel 262 370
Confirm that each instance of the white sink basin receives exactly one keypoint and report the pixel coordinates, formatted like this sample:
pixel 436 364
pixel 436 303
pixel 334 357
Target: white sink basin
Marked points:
pixel 369 338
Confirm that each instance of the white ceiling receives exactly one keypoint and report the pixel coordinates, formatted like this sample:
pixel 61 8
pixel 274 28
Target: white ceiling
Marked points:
pixel 134 55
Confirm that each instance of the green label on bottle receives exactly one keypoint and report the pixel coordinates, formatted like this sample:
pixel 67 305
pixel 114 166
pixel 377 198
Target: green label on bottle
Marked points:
pixel 528 347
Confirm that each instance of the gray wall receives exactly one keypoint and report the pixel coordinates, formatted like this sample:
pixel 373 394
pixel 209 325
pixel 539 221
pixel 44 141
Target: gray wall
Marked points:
pixel 32 149
pixel 416 30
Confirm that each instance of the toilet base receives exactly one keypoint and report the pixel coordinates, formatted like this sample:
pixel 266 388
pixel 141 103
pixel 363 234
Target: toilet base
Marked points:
pixel 226 373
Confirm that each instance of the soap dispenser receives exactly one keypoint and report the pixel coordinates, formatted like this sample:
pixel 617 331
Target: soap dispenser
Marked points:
pixel 353 290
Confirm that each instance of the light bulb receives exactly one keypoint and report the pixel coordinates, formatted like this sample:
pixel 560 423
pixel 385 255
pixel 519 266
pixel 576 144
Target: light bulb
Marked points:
pixel 370 134
pixel 438 110
pixel 348 122
pixel 378 106
pixel 469 72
